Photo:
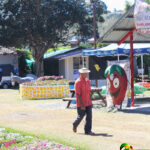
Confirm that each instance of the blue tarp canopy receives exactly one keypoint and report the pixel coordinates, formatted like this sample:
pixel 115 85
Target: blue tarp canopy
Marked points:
pixel 114 49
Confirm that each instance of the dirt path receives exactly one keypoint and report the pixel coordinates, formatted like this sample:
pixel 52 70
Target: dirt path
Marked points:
pixel 49 117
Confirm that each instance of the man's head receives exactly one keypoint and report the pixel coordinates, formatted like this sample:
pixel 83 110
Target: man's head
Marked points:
pixel 84 72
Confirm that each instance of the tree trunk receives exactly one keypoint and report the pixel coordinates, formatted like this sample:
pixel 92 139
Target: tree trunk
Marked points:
pixel 39 64
pixel 38 53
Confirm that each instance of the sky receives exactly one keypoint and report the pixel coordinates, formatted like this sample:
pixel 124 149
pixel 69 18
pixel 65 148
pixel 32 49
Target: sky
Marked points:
pixel 116 4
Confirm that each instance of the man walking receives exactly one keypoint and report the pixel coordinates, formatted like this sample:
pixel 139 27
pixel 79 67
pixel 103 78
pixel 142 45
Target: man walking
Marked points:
pixel 84 104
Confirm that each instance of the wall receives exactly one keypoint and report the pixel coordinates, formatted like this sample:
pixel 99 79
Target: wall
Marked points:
pixel 69 68
pixel 9 59
pixel 62 68
pixel 66 67
pixel 51 67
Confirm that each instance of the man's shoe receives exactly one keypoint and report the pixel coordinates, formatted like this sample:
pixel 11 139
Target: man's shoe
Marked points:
pixel 115 110
pixel 74 129
pixel 90 133
pixel 109 109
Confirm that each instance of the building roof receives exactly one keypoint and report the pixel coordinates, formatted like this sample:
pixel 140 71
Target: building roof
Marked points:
pixel 7 51
pixel 72 53
pixel 121 27
pixel 60 54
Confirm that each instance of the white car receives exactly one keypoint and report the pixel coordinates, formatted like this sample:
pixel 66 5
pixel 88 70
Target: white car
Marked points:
pixel 5 82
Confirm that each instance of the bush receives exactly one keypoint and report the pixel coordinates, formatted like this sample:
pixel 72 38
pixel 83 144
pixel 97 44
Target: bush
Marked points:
pixel 48 80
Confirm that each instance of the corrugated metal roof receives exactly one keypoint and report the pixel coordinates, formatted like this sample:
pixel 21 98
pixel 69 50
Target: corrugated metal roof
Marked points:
pixel 65 55
pixel 121 27
pixel 7 51
pixel 58 52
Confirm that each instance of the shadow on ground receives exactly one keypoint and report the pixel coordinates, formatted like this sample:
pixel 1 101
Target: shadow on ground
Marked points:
pixel 99 134
pixel 140 110
pixel 142 106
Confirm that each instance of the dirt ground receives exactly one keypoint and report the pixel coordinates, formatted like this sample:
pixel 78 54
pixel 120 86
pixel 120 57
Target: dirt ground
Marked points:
pixel 51 118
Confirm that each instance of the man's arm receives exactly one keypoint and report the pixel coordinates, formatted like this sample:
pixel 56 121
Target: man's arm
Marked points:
pixel 80 101
pixel 91 94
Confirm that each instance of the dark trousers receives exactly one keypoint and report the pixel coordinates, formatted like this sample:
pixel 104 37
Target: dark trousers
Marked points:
pixel 88 121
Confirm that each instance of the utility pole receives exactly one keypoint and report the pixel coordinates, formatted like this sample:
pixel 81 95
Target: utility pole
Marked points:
pixel 94 26
pixel 94 23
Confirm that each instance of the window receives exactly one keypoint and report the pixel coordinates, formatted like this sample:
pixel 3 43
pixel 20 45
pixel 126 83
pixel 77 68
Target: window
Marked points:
pixel 77 62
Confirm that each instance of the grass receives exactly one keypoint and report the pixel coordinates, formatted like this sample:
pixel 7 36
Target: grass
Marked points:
pixel 21 143
pixel 55 124
pixel 12 97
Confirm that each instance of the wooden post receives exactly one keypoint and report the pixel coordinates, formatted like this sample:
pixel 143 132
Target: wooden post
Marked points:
pixel 94 25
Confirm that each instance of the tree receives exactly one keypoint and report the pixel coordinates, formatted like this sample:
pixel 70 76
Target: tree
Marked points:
pixel 127 5
pixel 40 24
pixel 101 9
pixel 23 66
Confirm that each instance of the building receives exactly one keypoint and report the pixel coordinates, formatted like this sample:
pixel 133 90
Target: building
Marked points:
pixel 65 62
pixel 8 56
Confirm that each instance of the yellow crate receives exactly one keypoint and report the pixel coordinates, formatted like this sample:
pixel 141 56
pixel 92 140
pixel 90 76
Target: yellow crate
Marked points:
pixel 43 92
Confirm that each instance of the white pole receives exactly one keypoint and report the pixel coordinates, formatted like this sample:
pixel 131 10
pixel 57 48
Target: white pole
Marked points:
pixel 142 66
pixel 118 58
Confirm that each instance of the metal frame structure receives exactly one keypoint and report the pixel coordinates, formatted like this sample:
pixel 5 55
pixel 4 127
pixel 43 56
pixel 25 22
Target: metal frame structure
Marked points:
pixel 124 29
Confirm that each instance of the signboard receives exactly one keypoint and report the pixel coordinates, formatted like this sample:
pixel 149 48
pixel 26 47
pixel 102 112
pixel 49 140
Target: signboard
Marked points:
pixel 97 65
pixel 142 16
pixel 125 64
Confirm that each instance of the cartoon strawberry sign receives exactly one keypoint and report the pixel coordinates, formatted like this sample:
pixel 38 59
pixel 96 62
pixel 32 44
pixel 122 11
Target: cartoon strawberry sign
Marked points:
pixel 116 83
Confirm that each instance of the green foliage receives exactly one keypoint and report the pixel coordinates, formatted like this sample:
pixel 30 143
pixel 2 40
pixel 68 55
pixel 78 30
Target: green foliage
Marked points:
pixel 23 66
pixel 31 137
pixel 26 52
pixel 127 5
pixel 101 8
pixel 147 1
pixel 101 45
pixel 86 46
pixel 41 24
pixel 58 48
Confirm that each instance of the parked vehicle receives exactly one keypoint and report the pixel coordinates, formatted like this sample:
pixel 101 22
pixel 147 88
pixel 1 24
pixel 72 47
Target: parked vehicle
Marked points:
pixel 5 75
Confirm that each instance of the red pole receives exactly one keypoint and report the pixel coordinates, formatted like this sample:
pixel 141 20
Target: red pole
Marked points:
pixel 132 69
pixel 127 35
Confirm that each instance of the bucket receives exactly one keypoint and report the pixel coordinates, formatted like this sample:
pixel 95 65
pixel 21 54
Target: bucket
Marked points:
pixel 71 85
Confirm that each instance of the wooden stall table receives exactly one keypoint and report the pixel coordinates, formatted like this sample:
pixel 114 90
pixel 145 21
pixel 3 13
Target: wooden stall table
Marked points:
pixel 93 90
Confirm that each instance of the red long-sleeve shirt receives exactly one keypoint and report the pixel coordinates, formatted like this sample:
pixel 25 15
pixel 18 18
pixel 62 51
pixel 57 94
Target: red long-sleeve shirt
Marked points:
pixel 83 87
